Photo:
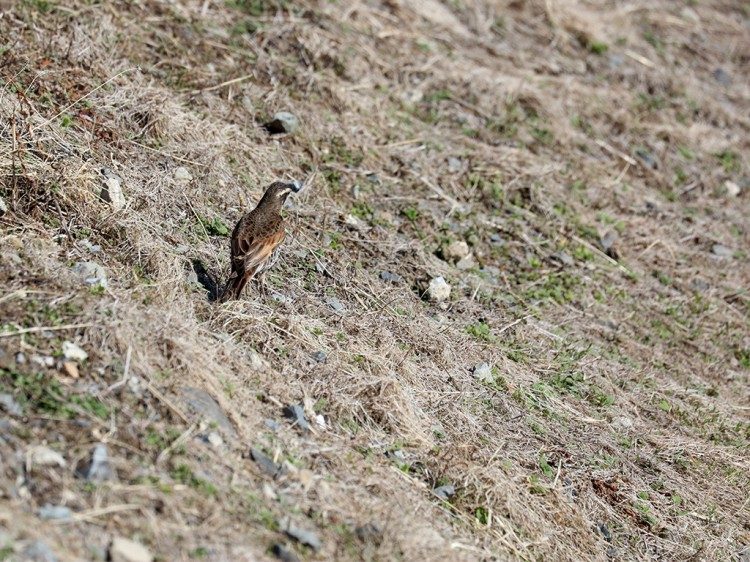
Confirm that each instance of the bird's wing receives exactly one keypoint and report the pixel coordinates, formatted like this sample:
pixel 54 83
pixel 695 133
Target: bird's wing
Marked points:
pixel 253 243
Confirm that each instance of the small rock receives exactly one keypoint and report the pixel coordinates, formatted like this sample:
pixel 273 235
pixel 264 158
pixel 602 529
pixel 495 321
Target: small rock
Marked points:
pixel 722 76
pixel 205 405
pixel 297 413
pixel 438 290
pixel 320 356
pixel 182 174
pixel 496 238
pixel 604 532
pixel 649 160
pixel 3 207
pixel 369 532
pixel 699 284
pixel 44 456
pixel 100 470
pixel 112 190
pixel 282 122
pixel 72 352
pixel 279 298
pixel 43 360
pixel 38 551
pixel 320 420
pixel 93 273
pixel 391 277
pixel 336 305
pixel 444 492
pixel 373 178
pixel 563 257
pixel 93 248
pixel 355 191
pixel 11 406
pixel 215 440
pixel 271 424
pixel 303 536
pixel 257 362
pixel 264 462
pixel 54 512
pixel 191 276
pixel 483 373
pixel 455 251
pixel 622 423
pixel 306 478
pixel 607 243
pixel 20 358
pixel 722 251
pixel 181 249
pixel 283 553
pixel 125 550
pixel 356 222
pixel 733 190
pixel 454 165
pixel 466 263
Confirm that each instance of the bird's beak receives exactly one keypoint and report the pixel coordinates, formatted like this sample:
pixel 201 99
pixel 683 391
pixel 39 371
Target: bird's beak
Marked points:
pixel 295 186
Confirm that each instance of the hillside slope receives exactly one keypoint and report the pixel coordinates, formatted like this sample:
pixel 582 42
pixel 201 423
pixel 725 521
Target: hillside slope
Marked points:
pixel 577 172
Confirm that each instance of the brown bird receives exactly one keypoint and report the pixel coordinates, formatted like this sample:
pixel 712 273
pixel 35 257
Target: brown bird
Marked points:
pixel 257 237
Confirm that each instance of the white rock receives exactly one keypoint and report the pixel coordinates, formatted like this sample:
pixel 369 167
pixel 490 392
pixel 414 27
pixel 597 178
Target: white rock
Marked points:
pixel 215 440
pixel 733 190
pixel 3 207
pixel 438 290
pixel 112 190
pixel 456 251
pixel 320 420
pixel 125 550
pixel 483 373
pixel 73 353
pixel 182 174
pixel 44 456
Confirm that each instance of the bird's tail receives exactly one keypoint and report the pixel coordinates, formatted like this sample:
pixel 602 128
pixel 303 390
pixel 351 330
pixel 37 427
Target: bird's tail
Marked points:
pixel 233 287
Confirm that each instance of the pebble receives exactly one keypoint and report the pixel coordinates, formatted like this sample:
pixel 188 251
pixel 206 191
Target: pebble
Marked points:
pixel 215 440
pixel 622 423
pixel 44 456
pixel 112 189
pixel 722 76
pixel 297 413
pixel 722 251
pixel 282 122
pixel 125 550
pixel 563 257
pixel 11 406
pixel 182 174
pixel 336 305
pixel 72 352
pixel 264 462
pixel 271 424
pixel 100 470
pixel 43 360
pixel 20 358
pixel 54 512
pixel 454 165
pixel 391 277
pixel 466 263
pixel 303 536
pixel 279 298
pixel 438 290
pixel 483 373
pixel 93 248
pixel 38 551
pixel 445 492
pixel 3 207
pixel 373 178
pixel 205 405
pixel 455 251
pixel 699 284
pixel 733 190
pixel 283 553
pixel 93 273
pixel 320 356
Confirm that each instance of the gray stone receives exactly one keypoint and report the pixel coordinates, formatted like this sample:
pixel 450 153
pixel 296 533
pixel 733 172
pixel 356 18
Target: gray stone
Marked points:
pixel 722 251
pixel 563 257
pixel 93 248
pixel 483 373
pixel 100 470
pixel 649 160
pixel 320 356
pixel 699 284
pixel 466 263
pixel 182 175
pixel 20 358
pixel 454 165
pixel 297 413
pixel 205 405
pixel 722 76
pixel 125 550
pixel 72 352
pixel 336 305
pixel 11 406
pixel 43 360
pixel 93 273
pixel 54 512
pixel 264 462
pixel 438 290
pixel 391 277
pixel 622 423
pixel 112 189
pixel 303 536
pixel 192 278
pixel 38 551
pixel 282 122
pixel 444 492
pixel 282 299
pixel 271 424
pixel 455 251
pixel 3 207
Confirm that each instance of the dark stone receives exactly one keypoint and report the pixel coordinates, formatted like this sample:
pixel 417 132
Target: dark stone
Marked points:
pixel 265 462
pixel 722 76
pixel 205 405
pixel 282 122
pixel 283 553
pixel 303 536
pixel 445 492
pixel 297 413
pixel 320 356
pixel 391 277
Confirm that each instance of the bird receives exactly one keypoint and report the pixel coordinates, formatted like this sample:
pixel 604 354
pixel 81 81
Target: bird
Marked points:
pixel 257 238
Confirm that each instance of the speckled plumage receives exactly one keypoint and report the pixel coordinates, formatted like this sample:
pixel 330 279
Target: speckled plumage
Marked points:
pixel 256 239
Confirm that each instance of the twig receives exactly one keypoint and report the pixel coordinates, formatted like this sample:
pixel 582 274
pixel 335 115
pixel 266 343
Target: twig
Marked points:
pixel 612 150
pixel 92 513
pixel 153 390
pixel 219 86
pixel 603 255
pixel 125 373
pixel 45 328
pixel 640 58
pixel 176 443
pixel 178 158
pixel 509 326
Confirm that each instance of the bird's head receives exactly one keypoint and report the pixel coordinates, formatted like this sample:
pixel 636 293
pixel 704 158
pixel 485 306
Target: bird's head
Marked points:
pixel 278 191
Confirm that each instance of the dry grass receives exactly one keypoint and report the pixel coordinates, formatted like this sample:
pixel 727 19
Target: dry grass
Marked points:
pixel 618 423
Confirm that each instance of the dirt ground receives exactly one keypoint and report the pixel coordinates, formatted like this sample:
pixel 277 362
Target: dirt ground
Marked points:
pixel 577 171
